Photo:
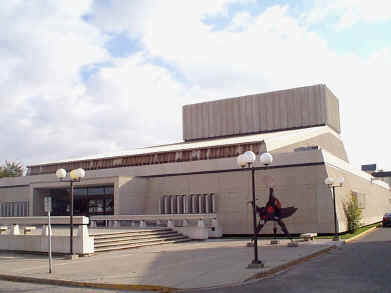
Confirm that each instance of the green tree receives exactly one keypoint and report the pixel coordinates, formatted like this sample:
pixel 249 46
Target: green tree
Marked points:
pixel 11 169
pixel 353 213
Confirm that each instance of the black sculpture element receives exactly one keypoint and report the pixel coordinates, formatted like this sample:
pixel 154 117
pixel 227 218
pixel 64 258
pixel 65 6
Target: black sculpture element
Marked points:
pixel 273 211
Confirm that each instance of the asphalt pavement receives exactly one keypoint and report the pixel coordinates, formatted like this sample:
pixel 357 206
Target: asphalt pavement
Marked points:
pixel 360 266
pixel 194 264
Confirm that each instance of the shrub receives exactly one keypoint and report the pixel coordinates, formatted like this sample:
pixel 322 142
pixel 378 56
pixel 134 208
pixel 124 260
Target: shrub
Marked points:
pixel 353 213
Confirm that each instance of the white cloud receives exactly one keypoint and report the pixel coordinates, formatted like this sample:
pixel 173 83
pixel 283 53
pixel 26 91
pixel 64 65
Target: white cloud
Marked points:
pixel 350 12
pixel 270 51
pixel 52 114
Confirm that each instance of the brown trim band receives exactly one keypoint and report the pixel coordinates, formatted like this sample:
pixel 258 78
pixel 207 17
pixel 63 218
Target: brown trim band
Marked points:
pixel 235 170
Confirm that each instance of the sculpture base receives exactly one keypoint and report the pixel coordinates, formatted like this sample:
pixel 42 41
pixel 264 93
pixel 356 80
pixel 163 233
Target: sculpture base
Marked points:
pixel 293 244
pixel 256 265
pixel 72 256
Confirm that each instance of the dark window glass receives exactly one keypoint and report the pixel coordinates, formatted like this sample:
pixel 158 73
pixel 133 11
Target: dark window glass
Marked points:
pixel 109 190
pixel 96 191
pixel 80 191
pixel 109 205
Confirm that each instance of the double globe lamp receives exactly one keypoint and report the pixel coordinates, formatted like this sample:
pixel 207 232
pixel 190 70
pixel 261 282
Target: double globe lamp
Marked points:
pixel 247 159
pixel 75 176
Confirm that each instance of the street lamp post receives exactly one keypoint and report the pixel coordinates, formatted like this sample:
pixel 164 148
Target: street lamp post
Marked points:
pixel 333 183
pixel 247 160
pixel 75 176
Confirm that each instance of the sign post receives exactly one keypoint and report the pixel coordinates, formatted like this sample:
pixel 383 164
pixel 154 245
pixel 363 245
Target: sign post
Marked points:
pixel 48 209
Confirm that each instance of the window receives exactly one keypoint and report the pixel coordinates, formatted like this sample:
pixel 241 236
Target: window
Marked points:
pixel 14 209
pixel 96 191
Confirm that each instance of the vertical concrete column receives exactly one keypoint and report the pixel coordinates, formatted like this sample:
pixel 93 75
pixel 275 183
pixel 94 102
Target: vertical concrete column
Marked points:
pixel 159 206
pixel 93 224
pixel 185 223
pixel 116 224
pixel 185 204
pixel 45 230
pixel 213 202
pixel 179 204
pixel 173 204
pixel 158 223
pixel 166 204
pixel 142 224
pixel 194 203
pixel 15 230
pixel 82 231
pixel 202 205
pixel 201 223
pixel 207 203
pixel 170 224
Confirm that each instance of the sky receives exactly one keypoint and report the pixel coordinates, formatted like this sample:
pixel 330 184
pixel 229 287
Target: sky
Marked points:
pixel 87 77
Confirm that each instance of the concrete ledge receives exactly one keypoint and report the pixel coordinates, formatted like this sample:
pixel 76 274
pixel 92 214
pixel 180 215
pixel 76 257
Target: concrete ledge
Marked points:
pixel 112 286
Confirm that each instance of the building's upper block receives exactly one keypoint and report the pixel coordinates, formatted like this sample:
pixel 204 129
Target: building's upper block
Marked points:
pixel 275 111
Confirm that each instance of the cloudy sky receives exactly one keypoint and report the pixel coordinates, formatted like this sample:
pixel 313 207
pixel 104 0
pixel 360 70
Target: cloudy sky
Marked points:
pixel 94 77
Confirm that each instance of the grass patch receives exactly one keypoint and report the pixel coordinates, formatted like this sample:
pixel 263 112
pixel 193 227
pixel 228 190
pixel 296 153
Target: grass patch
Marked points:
pixel 350 235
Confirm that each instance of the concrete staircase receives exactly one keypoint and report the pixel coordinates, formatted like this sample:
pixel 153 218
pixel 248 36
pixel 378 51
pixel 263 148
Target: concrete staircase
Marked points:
pixel 109 241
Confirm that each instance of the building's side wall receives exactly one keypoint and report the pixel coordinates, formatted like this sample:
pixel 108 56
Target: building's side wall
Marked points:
pixel 332 105
pixel 286 109
pixel 301 187
pixel 326 141
pixel 14 194
pixel 377 199
pixel 131 196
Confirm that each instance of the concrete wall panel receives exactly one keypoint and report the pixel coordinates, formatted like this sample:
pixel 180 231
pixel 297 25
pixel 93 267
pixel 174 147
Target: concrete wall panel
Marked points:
pixel 293 108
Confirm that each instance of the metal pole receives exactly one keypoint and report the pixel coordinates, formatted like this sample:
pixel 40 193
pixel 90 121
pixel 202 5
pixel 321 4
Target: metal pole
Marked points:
pixel 50 243
pixel 71 223
pixel 335 217
pixel 255 261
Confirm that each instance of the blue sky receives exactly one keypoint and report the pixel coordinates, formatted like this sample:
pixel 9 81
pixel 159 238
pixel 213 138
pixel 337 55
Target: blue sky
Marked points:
pixel 113 75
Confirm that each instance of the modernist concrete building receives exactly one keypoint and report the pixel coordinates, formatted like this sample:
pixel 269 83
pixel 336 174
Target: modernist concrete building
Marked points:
pixel 300 127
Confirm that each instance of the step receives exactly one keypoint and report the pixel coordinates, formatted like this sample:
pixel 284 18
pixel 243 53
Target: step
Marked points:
pixel 121 247
pixel 141 241
pixel 131 234
pixel 130 238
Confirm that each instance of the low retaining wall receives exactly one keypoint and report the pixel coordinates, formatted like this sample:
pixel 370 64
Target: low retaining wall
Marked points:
pixel 82 242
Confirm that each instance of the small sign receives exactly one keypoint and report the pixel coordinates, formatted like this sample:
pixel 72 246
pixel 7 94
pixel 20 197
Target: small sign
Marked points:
pixel 48 204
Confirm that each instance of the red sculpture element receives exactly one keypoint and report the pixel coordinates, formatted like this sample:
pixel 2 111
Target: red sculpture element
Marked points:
pixel 273 211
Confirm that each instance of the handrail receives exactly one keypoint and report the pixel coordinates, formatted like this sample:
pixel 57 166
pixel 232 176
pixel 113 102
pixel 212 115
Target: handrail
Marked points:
pixel 153 217
pixel 56 220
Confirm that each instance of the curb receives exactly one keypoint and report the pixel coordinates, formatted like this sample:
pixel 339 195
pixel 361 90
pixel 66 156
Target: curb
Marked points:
pixel 361 234
pixel 86 284
pixel 267 273
pixel 290 264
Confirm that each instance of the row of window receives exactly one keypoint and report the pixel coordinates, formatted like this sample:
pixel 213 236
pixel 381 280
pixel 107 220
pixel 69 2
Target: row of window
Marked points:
pixel 14 209
pixel 109 190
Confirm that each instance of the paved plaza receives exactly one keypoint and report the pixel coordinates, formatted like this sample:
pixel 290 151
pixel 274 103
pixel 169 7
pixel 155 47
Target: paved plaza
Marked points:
pixel 188 265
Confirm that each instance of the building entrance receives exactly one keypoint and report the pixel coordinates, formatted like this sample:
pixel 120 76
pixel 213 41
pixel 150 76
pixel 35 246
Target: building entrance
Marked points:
pixel 88 201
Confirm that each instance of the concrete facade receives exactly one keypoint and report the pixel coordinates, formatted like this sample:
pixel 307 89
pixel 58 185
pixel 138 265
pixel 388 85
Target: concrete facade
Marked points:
pixel 303 156
pixel 274 111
